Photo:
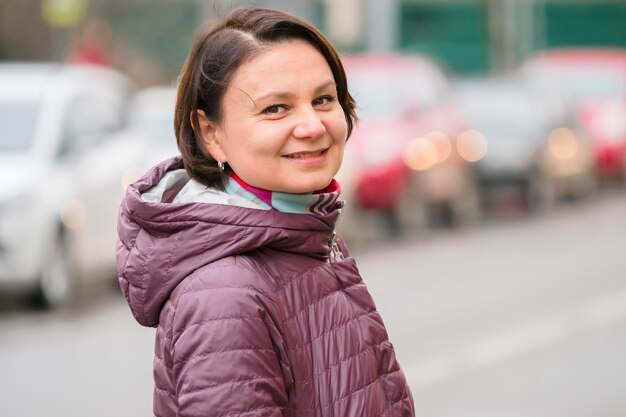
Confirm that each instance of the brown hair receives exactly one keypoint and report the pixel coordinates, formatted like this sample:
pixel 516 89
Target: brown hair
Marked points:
pixel 217 52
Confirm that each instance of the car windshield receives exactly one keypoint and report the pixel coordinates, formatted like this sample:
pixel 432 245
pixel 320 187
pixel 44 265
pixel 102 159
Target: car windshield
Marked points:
pixel 501 128
pixel 500 115
pixel 158 126
pixel 17 121
pixel 585 84
pixel 156 123
pixel 378 97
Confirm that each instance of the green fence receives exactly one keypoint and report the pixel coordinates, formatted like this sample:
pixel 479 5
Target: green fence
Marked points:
pixel 601 23
pixel 456 31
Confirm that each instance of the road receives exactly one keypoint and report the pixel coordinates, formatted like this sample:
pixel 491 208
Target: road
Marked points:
pixel 518 317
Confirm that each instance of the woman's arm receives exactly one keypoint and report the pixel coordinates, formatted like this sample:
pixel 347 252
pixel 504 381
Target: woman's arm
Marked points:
pixel 224 362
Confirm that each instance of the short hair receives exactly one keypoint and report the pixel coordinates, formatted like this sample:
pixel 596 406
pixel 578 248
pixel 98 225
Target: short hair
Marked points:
pixel 218 50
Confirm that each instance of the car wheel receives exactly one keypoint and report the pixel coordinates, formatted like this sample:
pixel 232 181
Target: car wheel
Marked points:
pixel 588 186
pixel 467 205
pixel 57 281
pixel 624 169
pixel 412 212
pixel 540 193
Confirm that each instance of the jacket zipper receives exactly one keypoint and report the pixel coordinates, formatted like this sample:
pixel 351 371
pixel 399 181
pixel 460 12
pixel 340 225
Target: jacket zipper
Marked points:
pixel 335 251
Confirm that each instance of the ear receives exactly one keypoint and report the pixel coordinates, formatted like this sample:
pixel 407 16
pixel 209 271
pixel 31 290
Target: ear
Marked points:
pixel 211 137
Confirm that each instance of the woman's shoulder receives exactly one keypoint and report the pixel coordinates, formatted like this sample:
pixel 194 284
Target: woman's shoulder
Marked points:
pixel 226 292
pixel 225 283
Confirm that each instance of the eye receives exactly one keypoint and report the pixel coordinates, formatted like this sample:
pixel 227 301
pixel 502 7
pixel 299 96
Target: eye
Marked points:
pixel 320 101
pixel 275 109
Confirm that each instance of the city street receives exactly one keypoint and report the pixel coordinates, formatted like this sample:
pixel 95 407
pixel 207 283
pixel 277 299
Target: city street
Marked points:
pixel 518 317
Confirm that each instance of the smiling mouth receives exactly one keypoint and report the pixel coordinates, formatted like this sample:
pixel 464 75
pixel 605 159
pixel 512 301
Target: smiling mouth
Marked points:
pixel 304 155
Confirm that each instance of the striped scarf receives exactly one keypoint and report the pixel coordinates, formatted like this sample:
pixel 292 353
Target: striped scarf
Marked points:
pixel 319 202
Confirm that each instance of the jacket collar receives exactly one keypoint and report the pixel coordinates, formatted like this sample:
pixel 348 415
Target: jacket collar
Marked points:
pixel 161 243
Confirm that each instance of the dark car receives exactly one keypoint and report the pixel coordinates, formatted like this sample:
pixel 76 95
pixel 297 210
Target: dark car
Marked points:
pixel 532 141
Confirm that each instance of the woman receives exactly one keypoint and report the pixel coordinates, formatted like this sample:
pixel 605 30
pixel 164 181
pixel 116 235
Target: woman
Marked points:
pixel 230 250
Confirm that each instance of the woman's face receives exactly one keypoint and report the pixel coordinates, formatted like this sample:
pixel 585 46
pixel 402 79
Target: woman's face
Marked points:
pixel 282 127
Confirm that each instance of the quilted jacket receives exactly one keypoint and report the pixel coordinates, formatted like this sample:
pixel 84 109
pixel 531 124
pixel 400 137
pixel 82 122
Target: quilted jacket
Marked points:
pixel 253 317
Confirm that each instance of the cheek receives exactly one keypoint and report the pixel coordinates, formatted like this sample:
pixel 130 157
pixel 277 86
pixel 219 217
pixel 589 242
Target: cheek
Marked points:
pixel 245 139
pixel 257 144
pixel 338 126
pixel 270 138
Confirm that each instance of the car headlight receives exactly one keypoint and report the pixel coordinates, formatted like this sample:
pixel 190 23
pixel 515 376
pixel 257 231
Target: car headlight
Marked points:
pixel 442 143
pixel 471 145
pixel 562 143
pixel 420 154
pixel 425 152
pixel 73 214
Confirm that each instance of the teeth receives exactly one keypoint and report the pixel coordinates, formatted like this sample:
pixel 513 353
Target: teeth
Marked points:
pixel 304 155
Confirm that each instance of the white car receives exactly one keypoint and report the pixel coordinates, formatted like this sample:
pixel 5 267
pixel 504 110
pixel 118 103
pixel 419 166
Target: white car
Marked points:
pixel 54 120
pixel 149 136
pixel 147 139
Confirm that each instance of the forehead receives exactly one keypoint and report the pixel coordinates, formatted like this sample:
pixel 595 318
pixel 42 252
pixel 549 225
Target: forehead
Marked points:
pixel 282 62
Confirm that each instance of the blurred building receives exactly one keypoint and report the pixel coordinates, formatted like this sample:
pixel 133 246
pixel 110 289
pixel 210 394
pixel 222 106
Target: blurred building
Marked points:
pixel 150 38
pixel 479 35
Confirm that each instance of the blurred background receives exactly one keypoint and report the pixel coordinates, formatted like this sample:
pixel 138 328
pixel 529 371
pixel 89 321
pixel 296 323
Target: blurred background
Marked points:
pixel 485 189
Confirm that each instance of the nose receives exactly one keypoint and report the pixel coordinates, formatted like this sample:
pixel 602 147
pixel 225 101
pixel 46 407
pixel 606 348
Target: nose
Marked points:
pixel 309 125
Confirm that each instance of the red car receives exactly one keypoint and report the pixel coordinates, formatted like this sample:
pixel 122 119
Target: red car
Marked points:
pixel 401 103
pixel 594 79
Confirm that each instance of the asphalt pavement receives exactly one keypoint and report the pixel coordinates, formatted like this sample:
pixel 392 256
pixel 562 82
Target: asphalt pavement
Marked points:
pixel 518 317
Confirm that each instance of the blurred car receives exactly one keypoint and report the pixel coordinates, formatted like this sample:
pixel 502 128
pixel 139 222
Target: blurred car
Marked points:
pixel 54 118
pixel 595 81
pixel 530 140
pixel 400 160
pixel 147 139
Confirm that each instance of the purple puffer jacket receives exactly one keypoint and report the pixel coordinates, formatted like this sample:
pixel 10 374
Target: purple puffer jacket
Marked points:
pixel 253 318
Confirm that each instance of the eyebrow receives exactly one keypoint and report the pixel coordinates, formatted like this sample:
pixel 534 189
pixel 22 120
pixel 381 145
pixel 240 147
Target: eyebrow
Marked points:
pixel 283 95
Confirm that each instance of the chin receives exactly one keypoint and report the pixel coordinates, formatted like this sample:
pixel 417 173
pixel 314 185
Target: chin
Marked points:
pixel 308 187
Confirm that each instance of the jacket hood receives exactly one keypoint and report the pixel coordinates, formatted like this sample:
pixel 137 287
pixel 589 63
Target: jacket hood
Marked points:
pixel 162 243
